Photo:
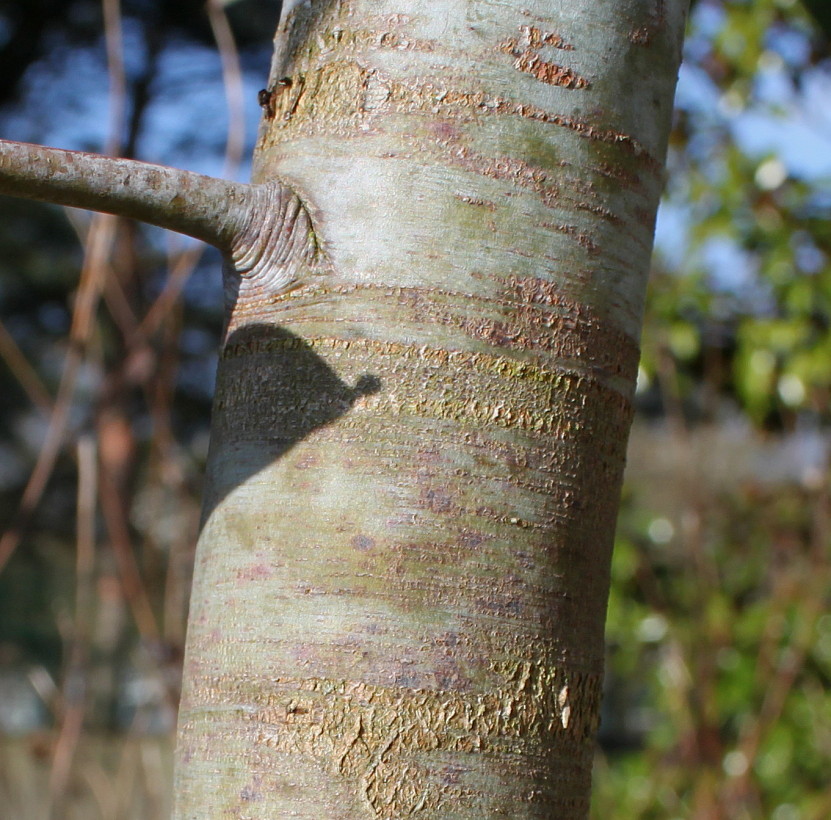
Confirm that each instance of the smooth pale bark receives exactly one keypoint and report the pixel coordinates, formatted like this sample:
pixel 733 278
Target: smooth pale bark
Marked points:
pixel 417 448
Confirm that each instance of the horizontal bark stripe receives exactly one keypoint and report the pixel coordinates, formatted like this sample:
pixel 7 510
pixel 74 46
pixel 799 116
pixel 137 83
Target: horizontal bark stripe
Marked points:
pixel 492 480
pixel 530 315
pixel 391 740
pixel 321 103
pixel 556 190
pixel 473 389
pixel 502 463
pixel 530 701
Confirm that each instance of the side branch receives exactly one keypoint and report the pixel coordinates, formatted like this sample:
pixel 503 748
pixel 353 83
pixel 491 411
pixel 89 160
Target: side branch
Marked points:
pixel 213 210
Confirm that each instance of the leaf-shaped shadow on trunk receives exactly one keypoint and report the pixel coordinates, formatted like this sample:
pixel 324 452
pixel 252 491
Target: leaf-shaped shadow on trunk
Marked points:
pixel 272 391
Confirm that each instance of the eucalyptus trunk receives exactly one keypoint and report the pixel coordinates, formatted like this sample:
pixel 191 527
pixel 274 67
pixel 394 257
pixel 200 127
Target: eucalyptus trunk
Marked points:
pixel 435 291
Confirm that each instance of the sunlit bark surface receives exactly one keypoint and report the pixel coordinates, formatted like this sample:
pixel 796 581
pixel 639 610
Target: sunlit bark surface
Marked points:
pixel 419 430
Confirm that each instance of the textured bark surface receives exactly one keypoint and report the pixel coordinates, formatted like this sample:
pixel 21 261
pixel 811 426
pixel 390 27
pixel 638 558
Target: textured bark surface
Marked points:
pixel 421 416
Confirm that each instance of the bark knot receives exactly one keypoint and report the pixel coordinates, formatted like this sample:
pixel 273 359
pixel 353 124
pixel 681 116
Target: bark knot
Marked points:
pixel 276 241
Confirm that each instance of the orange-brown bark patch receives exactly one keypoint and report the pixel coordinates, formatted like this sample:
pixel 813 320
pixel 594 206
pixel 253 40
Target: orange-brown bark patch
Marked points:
pixel 394 743
pixel 551 73
pixel 526 50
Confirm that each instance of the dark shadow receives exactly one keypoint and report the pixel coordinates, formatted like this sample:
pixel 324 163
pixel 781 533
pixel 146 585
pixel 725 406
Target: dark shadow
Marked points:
pixel 272 391
pixel 272 388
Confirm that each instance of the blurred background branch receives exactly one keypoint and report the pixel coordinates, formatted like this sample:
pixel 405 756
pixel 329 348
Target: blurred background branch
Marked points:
pixel 100 495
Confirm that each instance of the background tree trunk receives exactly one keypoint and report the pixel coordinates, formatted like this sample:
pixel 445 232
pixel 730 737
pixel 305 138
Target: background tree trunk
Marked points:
pixel 418 444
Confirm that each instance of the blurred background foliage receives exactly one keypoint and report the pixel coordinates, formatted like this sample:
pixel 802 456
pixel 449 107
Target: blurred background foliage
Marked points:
pixel 719 662
pixel 719 631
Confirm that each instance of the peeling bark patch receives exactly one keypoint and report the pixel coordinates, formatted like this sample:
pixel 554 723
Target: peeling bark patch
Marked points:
pixel 266 96
pixel 395 744
pixel 569 333
pixel 375 92
pixel 550 73
pixel 330 94
pixel 533 39
pixel 526 51
pixel 383 32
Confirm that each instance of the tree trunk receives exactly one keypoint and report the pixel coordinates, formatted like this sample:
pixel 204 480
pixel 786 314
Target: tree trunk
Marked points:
pixel 419 433
pixel 434 299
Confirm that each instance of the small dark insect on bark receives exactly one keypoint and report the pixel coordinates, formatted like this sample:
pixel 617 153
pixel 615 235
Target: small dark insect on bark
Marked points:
pixel 266 96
